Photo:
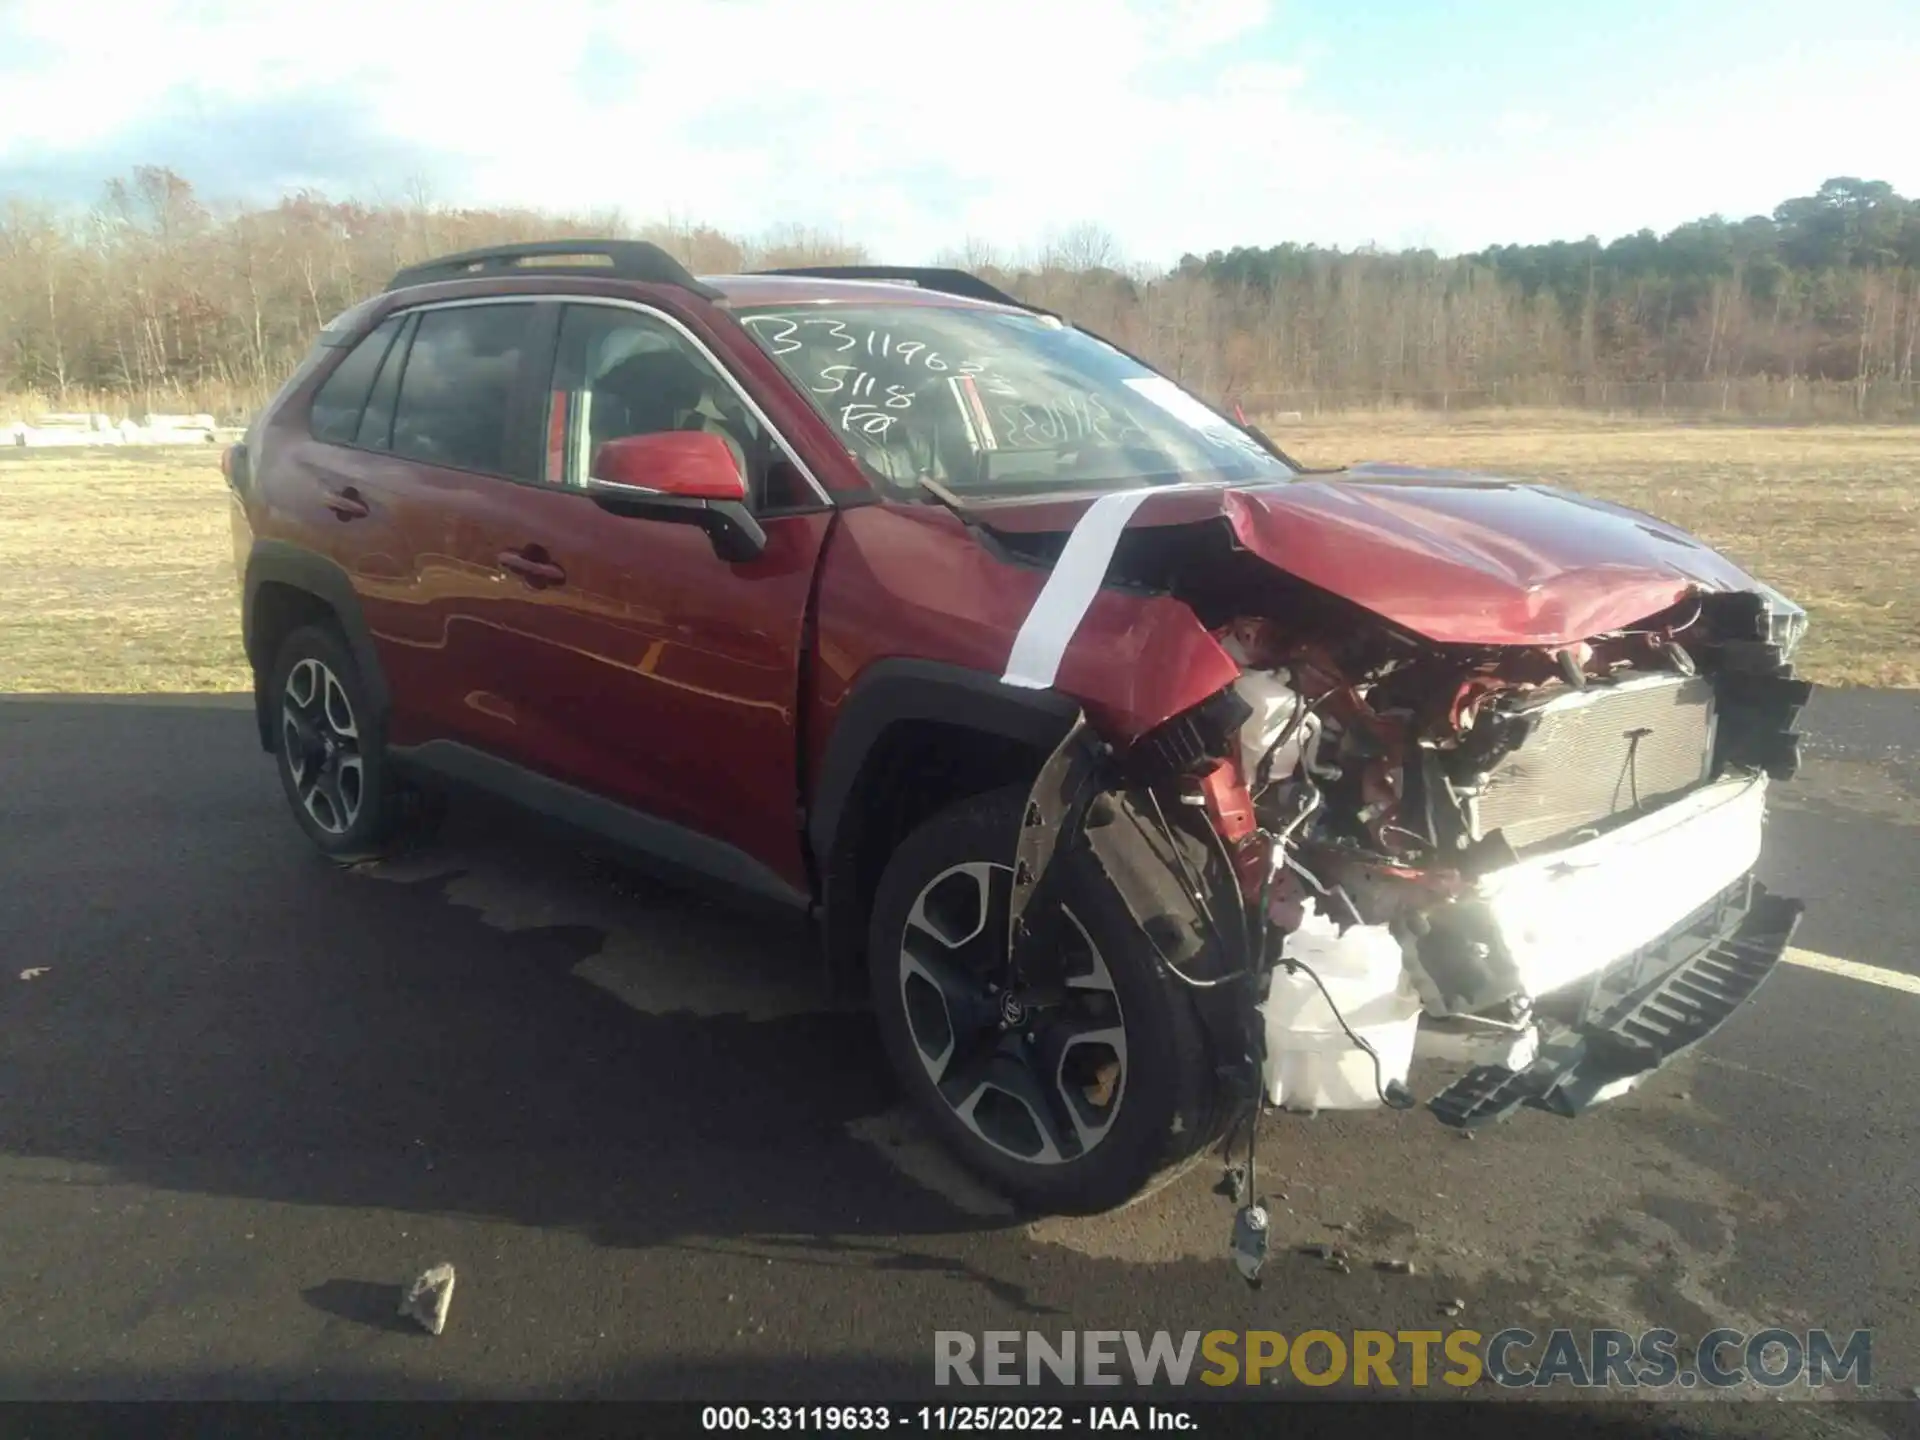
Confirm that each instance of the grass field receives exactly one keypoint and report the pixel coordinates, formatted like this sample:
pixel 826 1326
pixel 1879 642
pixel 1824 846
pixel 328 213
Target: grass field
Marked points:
pixel 116 570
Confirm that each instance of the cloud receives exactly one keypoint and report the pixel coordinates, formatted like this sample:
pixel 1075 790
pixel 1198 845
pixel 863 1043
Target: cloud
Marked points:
pixel 253 148
pixel 1174 124
pixel 906 126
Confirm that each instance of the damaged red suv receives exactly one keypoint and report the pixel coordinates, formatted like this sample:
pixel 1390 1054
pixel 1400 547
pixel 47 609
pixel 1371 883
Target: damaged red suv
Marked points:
pixel 1145 778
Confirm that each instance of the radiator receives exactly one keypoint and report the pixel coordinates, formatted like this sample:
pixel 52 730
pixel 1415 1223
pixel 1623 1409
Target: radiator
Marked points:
pixel 1600 754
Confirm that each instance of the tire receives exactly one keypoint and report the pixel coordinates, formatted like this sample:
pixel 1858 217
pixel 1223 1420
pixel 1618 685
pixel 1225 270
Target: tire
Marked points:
pixel 1112 1136
pixel 330 750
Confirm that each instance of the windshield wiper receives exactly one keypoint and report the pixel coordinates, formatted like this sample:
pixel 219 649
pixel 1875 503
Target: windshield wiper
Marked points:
pixel 947 498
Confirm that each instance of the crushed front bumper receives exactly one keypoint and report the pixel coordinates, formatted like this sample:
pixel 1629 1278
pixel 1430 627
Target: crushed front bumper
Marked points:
pixel 1625 949
pixel 1556 919
pixel 1640 1012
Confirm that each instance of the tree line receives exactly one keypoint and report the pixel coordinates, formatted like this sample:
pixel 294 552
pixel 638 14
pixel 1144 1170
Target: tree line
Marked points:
pixel 158 299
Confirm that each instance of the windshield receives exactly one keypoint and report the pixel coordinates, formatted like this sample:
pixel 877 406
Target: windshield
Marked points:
pixel 990 403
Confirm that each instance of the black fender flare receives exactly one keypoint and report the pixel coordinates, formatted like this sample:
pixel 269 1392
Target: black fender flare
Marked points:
pixel 277 562
pixel 885 694
pixel 888 692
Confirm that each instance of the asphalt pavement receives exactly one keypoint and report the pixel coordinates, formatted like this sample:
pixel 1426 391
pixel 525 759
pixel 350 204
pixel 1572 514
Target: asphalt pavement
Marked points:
pixel 244 1094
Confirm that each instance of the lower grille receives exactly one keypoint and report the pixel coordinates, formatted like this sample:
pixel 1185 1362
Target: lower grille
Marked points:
pixel 1597 755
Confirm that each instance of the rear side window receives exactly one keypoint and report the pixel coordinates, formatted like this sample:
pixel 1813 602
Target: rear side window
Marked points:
pixel 376 424
pixel 337 407
pixel 458 385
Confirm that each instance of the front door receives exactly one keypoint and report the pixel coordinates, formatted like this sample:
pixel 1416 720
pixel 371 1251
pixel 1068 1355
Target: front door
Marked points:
pixel 629 660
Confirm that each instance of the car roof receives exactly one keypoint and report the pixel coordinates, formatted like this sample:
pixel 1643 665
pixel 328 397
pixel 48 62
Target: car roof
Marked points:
pixel 617 262
pixel 755 290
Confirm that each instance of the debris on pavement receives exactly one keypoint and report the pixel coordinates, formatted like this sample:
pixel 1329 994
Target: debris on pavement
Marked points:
pixel 1398 1267
pixel 1233 1183
pixel 33 973
pixel 429 1297
pixel 1453 1307
pixel 1249 1242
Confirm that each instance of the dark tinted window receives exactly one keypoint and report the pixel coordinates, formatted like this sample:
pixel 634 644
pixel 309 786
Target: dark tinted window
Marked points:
pixel 458 383
pixel 336 409
pixel 376 425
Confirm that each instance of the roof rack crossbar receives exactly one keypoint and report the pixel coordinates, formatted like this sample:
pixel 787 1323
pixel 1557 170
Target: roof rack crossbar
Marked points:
pixel 625 260
pixel 926 277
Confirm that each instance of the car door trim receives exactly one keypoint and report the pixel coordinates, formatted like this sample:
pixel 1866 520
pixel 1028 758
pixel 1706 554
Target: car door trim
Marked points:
pixel 685 853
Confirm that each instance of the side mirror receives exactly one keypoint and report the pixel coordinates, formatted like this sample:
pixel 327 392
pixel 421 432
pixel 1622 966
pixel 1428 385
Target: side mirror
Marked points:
pixel 689 463
pixel 682 476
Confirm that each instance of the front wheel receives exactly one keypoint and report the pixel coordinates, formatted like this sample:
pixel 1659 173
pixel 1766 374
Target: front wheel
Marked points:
pixel 1073 1101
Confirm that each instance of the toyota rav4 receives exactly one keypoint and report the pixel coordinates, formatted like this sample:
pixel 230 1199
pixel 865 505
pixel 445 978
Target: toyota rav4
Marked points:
pixel 1145 778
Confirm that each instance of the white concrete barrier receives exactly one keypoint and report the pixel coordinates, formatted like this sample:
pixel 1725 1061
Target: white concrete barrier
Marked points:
pixel 178 422
pixel 58 431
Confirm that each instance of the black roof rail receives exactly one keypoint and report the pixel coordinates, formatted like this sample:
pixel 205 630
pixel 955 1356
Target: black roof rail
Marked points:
pixel 926 277
pixel 623 260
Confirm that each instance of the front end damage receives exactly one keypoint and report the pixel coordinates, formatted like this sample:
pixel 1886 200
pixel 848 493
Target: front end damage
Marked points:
pixel 1536 862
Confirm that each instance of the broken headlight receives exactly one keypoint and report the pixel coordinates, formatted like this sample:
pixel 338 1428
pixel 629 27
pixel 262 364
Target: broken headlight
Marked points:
pixel 1786 622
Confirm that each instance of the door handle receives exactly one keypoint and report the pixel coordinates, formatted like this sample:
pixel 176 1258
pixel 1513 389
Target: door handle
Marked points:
pixel 532 566
pixel 347 504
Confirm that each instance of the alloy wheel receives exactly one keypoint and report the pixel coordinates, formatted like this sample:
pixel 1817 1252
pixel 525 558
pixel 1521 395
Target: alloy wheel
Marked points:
pixel 320 740
pixel 1039 1074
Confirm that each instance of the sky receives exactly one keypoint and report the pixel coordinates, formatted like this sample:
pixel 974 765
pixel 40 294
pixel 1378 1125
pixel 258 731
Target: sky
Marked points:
pixel 1173 126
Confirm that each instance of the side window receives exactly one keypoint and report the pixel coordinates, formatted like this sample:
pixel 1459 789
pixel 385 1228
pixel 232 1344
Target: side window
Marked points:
pixel 336 408
pixel 623 373
pixel 376 422
pixel 457 387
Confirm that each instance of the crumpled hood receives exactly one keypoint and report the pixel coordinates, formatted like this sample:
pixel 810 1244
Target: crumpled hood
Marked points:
pixel 1454 557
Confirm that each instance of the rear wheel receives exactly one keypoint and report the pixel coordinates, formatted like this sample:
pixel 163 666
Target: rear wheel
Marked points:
pixel 1074 1100
pixel 332 757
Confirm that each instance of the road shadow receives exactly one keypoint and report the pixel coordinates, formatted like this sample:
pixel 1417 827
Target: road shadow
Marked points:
pixel 365 1302
pixel 223 1011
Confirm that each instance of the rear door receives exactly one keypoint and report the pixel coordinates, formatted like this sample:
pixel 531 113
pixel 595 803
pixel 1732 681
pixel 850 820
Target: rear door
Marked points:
pixel 357 504
pixel 460 428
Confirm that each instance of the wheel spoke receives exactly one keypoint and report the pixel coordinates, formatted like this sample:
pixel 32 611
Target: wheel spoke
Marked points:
pixel 1084 1065
pixel 954 908
pixel 994 1091
pixel 349 782
pixel 296 744
pixel 323 799
pixel 306 694
pixel 319 803
pixel 335 709
pixel 945 1006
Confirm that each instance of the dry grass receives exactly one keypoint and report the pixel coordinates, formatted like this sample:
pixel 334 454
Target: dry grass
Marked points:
pixel 116 572
pixel 116 569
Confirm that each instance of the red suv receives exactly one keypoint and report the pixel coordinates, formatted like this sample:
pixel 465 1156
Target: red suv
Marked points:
pixel 1148 778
